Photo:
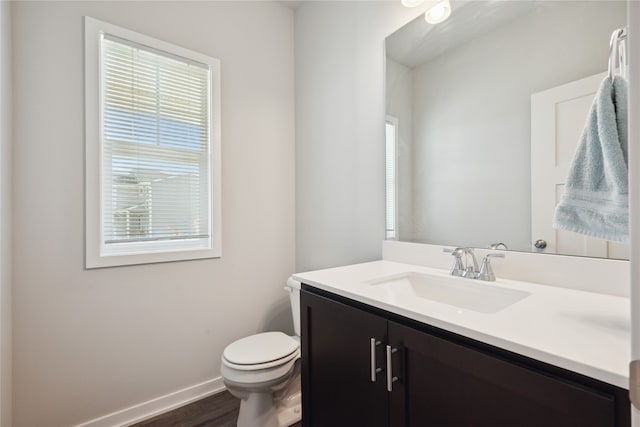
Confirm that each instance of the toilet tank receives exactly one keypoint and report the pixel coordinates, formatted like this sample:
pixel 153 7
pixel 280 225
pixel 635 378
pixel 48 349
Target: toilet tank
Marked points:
pixel 293 286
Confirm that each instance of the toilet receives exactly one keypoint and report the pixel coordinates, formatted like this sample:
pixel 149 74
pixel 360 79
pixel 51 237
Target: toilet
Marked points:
pixel 263 370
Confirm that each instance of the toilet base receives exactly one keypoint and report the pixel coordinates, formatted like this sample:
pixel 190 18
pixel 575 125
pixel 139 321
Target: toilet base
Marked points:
pixel 290 412
pixel 288 400
pixel 261 410
pixel 277 406
pixel 276 403
pixel 257 409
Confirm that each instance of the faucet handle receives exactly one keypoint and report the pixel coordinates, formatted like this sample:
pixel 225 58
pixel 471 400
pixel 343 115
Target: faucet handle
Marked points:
pixel 486 272
pixel 453 251
pixel 494 255
pixel 458 268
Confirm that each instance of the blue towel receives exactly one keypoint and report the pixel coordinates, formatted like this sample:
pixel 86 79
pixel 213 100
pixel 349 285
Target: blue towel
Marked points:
pixel 596 199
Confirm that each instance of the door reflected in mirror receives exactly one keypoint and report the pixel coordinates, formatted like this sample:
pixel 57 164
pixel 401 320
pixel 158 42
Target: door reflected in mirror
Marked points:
pixel 459 121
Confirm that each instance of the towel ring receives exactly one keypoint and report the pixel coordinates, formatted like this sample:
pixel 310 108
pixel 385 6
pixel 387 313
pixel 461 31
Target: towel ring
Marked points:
pixel 617 49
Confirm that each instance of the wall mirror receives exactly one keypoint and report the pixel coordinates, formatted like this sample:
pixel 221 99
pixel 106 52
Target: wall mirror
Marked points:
pixel 459 121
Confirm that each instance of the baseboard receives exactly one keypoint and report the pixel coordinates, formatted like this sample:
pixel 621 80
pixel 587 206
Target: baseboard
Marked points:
pixel 157 406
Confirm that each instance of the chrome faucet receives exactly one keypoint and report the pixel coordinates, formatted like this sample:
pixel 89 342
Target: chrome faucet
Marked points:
pixel 466 268
pixel 486 272
pixel 470 271
pixel 469 268
pixel 458 267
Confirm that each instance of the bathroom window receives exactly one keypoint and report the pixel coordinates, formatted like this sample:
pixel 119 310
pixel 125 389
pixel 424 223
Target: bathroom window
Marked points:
pixel 391 144
pixel 153 150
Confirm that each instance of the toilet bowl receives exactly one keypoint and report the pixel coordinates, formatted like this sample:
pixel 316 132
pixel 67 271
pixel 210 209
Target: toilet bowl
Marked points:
pixel 263 370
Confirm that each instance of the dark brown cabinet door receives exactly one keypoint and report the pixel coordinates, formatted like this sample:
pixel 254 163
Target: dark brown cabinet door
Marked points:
pixel 337 389
pixel 443 384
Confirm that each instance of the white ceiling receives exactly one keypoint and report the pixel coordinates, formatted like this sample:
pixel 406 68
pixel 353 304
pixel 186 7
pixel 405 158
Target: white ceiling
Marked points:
pixel 419 42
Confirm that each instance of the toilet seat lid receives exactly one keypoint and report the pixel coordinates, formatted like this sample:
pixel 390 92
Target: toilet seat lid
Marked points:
pixel 260 348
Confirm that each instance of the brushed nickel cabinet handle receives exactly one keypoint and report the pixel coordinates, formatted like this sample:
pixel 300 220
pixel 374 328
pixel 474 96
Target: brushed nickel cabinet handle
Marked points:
pixel 374 369
pixel 390 378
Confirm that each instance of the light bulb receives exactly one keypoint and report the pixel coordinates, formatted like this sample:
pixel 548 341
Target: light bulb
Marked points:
pixel 411 3
pixel 438 12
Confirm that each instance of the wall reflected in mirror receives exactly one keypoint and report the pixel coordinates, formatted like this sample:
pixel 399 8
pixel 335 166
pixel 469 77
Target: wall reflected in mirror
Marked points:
pixel 459 120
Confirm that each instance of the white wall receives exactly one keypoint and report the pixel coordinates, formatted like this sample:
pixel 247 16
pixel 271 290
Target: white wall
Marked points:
pixel 5 214
pixel 87 343
pixel 340 113
pixel 472 110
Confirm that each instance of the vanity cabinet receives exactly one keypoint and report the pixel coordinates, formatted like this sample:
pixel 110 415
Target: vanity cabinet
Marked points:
pixel 336 371
pixel 438 378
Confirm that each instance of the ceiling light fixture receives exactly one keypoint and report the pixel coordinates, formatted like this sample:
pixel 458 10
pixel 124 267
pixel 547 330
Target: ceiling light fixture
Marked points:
pixel 411 3
pixel 438 12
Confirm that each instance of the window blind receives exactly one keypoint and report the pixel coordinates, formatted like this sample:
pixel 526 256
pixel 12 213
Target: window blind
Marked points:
pixel 155 145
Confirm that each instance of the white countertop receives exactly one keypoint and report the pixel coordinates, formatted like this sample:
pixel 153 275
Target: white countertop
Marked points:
pixel 584 332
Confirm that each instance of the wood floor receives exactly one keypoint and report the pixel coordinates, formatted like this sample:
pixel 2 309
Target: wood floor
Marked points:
pixel 219 410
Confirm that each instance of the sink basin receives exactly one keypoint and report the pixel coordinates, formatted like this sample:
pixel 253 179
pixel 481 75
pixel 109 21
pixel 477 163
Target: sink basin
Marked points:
pixel 483 297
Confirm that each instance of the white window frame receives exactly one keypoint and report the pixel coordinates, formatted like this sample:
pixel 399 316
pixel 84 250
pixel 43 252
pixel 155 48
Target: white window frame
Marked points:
pixel 141 252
